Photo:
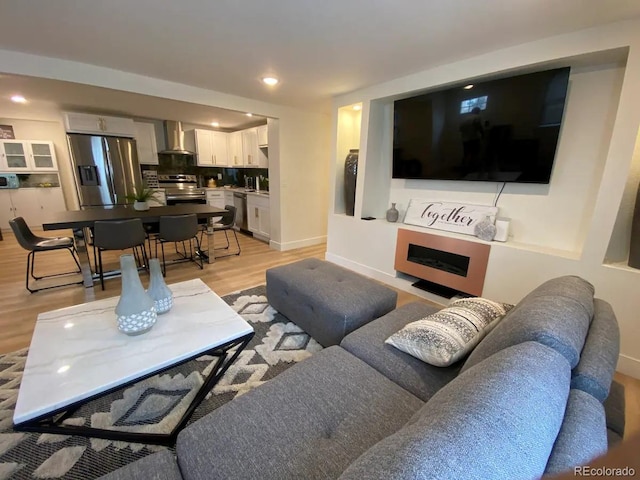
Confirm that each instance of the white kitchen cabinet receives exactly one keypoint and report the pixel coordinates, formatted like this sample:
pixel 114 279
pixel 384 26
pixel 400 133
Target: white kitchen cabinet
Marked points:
pixel 27 156
pixel 263 136
pixel 99 124
pixel 146 143
pixel 51 201
pixel 35 205
pixel 236 158
pixel 255 152
pixel 259 216
pixel 215 198
pixel 211 148
pixel 263 157
pixel 220 144
pixel 6 208
pixel 228 197
pixel 204 148
pixel 250 147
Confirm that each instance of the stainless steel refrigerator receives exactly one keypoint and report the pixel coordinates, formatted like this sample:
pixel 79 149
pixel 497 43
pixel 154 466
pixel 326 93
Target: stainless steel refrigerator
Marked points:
pixel 106 169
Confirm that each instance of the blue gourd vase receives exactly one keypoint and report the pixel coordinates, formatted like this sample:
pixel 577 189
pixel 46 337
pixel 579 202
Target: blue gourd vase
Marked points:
pixel 136 311
pixel 158 290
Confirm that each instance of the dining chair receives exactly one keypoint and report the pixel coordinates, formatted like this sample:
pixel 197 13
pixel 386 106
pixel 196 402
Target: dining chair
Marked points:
pixel 31 242
pixel 181 229
pixel 226 225
pixel 119 235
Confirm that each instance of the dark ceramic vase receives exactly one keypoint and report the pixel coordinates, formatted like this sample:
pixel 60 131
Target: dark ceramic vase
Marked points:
pixel 634 247
pixel 392 214
pixel 350 175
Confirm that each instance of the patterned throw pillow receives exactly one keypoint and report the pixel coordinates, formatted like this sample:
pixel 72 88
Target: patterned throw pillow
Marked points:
pixel 446 336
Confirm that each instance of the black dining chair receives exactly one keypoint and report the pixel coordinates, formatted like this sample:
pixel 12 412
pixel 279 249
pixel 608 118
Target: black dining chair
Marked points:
pixel 34 244
pixel 119 235
pixel 226 225
pixel 180 229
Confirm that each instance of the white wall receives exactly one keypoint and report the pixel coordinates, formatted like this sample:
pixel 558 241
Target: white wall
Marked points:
pixel 562 228
pixel 300 206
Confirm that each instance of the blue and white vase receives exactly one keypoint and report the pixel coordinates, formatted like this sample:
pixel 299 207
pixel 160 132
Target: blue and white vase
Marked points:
pixel 158 290
pixel 136 311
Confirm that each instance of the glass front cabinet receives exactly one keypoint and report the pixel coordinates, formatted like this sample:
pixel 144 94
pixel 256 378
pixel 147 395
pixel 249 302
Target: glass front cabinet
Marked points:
pixel 27 156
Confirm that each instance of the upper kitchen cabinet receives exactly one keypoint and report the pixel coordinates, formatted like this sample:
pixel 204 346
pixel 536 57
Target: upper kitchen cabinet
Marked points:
pixel 254 156
pixel 250 147
pixel 99 124
pixel 211 147
pixel 146 143
pixel 220 145
pixel 27 156
pixel 236 158
pixel 263 136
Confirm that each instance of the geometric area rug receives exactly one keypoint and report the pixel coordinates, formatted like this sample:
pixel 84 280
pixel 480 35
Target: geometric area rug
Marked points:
pixel 153 405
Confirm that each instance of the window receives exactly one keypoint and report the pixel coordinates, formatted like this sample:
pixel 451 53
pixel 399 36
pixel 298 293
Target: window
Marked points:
pixel 467 105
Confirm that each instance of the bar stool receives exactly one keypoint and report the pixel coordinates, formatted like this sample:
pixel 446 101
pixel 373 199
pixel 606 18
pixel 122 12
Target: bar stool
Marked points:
pixel 119 235
pixel 33 244
pixel 180 229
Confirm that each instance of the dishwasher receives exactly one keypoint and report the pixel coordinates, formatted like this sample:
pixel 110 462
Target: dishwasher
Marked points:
pixel 240 202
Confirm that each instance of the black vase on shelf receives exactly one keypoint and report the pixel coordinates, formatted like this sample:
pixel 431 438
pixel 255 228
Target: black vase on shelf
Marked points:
pixel 350 175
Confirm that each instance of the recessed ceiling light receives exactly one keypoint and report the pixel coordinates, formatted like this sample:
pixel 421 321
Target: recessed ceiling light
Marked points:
pixel 215 124
pixel 18 99
pixel 249 114
pixel 468 87
pixel 357 107
pixel 271 81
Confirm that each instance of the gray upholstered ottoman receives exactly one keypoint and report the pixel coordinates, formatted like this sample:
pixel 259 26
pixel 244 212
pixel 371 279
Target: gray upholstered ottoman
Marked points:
pixel 325 300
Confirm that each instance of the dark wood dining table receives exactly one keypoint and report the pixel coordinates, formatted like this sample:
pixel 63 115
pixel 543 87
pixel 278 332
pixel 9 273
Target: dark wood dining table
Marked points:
pixel 80 221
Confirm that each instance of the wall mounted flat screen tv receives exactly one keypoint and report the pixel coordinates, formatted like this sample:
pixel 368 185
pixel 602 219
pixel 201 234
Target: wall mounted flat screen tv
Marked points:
pixel 503 130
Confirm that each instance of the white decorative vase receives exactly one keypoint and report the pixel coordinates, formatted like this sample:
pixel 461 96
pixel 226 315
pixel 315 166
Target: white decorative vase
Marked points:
pixel 136 311
pixel 158 290
pixel 140 205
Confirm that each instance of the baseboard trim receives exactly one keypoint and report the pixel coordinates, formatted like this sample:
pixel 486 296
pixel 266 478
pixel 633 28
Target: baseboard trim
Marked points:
pixel 629 366
pixel 360 268
pixel 307 242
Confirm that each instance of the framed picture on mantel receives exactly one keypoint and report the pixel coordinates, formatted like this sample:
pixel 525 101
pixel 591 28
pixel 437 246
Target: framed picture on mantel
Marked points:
pixel 448 216
pixel 6 132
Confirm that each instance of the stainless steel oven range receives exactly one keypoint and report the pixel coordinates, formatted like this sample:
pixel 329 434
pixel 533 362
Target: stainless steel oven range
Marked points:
pixel 180 188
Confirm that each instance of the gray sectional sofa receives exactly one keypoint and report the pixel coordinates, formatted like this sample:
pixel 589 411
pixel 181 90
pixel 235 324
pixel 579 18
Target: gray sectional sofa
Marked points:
pixel 527 401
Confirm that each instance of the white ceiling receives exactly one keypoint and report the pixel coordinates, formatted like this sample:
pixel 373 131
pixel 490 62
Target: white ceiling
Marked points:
pixel 318 49
pixel 47 98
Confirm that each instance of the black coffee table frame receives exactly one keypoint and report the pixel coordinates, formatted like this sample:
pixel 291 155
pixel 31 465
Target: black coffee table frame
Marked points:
pixel 52 422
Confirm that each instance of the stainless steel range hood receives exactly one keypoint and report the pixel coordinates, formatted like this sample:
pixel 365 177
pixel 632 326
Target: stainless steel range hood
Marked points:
pixel 175 139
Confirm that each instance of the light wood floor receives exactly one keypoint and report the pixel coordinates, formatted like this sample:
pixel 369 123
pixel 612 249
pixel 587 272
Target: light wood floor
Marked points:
pixel 19 309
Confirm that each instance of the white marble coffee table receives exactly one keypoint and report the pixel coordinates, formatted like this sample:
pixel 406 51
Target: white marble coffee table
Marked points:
pixel 77 354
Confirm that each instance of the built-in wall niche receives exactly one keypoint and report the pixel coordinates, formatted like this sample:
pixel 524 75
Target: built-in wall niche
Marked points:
pixel 445 266
pixel 377 172
pixel 349 125
pixel 621 236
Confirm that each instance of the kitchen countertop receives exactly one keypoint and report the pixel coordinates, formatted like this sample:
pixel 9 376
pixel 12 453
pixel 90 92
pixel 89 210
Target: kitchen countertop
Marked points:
pixel 239 189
